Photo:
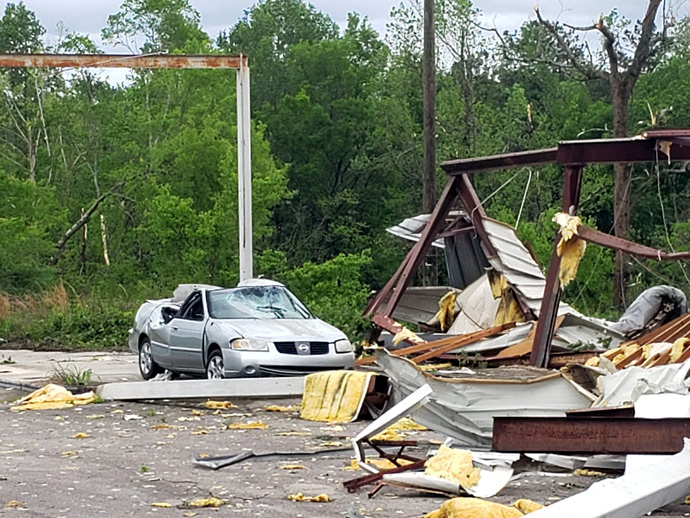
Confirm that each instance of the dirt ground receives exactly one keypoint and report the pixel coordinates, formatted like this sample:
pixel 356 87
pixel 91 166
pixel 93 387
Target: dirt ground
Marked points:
pixel 135 455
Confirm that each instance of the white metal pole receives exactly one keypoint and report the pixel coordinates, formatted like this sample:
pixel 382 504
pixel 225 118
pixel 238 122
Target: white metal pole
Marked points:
pixel 244 171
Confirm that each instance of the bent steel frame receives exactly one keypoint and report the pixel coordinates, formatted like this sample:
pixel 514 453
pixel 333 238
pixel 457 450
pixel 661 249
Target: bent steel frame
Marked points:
pixel 240 63
pixel 652 146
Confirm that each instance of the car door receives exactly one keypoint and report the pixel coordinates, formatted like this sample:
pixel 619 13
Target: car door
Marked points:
pixel 159 334
pixel 187 335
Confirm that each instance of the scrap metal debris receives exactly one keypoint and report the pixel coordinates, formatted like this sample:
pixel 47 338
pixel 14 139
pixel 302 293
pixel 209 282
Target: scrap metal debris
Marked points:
pixel 228 460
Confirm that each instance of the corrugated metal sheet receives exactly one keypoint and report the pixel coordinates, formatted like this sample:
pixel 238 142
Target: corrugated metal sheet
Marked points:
pixel 516 264
pixel 412 228
pixel 419 303
pixel 521 271
pixel 464 408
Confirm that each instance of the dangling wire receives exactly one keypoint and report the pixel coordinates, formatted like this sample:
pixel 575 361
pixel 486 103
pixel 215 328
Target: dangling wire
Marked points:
pixel 601 252
pixel 524 197
pixel 500 188
pixel 663 213
pixel 481 203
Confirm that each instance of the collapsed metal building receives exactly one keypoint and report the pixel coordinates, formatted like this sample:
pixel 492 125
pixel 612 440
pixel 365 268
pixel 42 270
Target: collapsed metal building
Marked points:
pixel 475 243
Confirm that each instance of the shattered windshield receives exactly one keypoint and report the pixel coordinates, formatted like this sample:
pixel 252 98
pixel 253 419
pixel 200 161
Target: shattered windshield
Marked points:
pixel 256 302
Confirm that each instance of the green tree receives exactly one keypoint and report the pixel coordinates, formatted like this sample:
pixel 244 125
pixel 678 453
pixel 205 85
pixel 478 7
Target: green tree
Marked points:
pixel 159 25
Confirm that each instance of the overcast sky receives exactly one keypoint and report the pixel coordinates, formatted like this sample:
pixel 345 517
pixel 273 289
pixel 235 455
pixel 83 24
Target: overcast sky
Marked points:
pixel 89 16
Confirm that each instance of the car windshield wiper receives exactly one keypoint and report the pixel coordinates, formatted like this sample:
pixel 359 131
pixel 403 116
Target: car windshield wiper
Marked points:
pixel 277 311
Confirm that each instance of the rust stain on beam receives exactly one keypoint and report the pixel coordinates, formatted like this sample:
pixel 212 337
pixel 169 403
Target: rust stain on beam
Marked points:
pixel 121 61
pixel 572 435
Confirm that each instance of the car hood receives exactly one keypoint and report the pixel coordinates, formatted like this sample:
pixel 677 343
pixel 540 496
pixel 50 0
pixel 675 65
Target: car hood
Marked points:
pixel 285 330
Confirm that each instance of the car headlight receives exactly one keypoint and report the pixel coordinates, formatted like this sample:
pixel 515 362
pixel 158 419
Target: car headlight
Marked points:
pixel 249 344
pixel 343 346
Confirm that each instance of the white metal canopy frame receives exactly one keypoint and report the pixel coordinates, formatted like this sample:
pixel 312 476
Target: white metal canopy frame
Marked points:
pixel 239 63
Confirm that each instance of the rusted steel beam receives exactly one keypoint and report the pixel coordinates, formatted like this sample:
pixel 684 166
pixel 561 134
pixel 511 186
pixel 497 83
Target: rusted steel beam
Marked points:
pixel 378 299
pixel 387 323
pixel 543 336
pixel 581 152
pixel 120 61
pixel 571 435
pixel 600 238
pixel 667 133
pixel 608 411
pixel 456 232
pixel 498 162
pixel 353 485
pixel 473 206
pixel 438 216
pixel 610 151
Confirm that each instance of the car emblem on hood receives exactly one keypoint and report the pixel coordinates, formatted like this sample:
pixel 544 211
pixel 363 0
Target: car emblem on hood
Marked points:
pixel 303 347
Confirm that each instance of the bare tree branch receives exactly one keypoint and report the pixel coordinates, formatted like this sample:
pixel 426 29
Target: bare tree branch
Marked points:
pixel 609 47
pixel 643 50
pixel 587 28
pixel 584 68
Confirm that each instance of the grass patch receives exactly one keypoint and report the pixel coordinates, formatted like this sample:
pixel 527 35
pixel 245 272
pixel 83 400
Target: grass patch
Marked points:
pixel 52 320
pixel 71 376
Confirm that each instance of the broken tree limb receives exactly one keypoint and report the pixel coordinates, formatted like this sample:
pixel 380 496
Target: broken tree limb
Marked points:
pixel 83 220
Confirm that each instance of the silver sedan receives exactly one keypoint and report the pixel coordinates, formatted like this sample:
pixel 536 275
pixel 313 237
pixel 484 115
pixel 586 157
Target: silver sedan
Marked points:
pixel 257 329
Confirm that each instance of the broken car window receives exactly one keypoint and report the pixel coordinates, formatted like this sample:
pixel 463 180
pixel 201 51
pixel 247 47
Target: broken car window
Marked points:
pixel 256 302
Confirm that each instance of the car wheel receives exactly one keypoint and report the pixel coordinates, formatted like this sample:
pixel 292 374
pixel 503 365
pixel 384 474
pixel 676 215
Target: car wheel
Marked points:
pixel 215 368
pixel 147 367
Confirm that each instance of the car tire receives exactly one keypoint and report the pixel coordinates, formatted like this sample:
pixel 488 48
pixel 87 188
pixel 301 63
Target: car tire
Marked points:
pixel 147 366
pixel 215 367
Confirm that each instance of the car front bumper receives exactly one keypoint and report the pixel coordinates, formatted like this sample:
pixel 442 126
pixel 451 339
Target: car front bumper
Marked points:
pixel 245 364
pixel 133 340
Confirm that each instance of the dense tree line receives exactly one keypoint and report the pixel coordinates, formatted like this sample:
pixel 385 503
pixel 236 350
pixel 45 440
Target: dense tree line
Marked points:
pixel 150 165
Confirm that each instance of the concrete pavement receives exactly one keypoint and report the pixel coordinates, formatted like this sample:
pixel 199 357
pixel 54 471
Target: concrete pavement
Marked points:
pixel 36 368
